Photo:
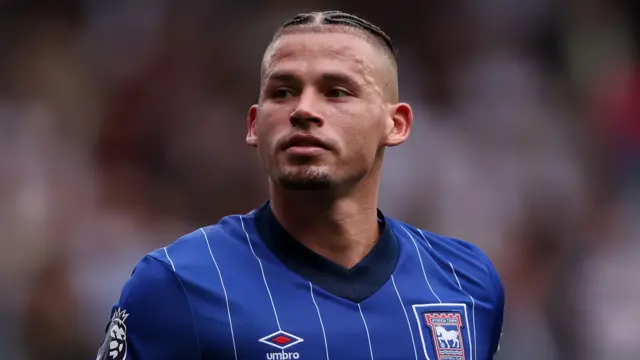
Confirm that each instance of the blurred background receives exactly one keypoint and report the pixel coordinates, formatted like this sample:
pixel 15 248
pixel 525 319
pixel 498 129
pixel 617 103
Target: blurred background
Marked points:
pixel 122 126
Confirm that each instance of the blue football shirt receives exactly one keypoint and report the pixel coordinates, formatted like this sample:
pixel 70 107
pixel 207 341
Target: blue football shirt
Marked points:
pixel 245 289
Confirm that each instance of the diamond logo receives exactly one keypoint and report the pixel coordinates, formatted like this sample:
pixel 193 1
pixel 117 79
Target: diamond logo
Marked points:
pixel 281 340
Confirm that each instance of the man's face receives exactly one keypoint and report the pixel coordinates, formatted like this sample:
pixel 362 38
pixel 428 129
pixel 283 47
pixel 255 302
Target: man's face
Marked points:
pixel 322 117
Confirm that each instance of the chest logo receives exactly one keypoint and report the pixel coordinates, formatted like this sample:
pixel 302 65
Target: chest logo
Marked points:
pixel 446 331
pixel 282 340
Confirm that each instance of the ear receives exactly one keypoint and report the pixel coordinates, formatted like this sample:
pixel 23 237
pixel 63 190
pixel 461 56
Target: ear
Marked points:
pixel 252 137
pixel 401 120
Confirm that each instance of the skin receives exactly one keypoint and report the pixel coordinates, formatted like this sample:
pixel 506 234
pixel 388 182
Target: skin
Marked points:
pixel 341 88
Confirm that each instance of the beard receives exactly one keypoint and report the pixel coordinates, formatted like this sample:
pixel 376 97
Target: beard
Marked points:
pixel 318 178
pixel 305 178
pixel 310 174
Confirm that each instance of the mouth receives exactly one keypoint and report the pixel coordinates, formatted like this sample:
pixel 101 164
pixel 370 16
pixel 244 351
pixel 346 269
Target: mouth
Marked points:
pixel 305 141
pixel 305 146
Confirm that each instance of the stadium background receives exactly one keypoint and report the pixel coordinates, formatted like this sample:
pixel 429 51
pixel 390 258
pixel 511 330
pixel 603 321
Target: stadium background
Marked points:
pixel 122 126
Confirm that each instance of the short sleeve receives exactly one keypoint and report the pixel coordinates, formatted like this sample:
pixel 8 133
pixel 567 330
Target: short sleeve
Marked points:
pixel 152 319
pixel 496 333
pixel 498 306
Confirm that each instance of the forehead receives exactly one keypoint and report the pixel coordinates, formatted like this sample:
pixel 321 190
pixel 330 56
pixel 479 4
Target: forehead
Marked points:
pixel 312 51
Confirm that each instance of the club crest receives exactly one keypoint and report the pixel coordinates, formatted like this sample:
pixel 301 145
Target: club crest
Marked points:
pixel 446 331
pixel 114 346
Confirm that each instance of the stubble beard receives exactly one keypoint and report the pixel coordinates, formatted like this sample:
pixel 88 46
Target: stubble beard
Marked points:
pixel 317 178
pixel 306 178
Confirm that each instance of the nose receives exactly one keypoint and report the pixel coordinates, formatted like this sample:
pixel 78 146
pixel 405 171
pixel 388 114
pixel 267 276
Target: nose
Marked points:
pixel 306 112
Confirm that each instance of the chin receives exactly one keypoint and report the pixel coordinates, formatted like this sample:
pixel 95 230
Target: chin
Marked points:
pixel 304 184
pixel 307 178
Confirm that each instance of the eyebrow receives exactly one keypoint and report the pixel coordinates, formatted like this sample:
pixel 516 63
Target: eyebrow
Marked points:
pixel 332 77
pixel 340 78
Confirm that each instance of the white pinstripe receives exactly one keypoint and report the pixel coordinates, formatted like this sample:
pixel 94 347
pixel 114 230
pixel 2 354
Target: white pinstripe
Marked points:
pixel 264 278
pixel 170 261
pixel 367 329
pixel 415 351
pixel 425 238
pixel 224 290
pixel 422 264
pixel 324 334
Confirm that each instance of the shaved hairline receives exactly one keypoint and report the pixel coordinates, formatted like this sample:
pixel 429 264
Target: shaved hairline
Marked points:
pixel 377 44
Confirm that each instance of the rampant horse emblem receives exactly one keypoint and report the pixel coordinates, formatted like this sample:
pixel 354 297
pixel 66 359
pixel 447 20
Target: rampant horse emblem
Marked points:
pixel 114 346
pixel 447 335
pixel 444 336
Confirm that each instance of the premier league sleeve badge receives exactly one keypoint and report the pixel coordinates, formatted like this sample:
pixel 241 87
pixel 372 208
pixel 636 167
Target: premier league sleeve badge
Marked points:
pixel 114 346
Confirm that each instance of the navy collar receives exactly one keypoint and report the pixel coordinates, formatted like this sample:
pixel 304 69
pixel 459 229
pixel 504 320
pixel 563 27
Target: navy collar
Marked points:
pixel 355 284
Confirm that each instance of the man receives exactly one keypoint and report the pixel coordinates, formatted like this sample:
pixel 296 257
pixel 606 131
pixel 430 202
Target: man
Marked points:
pixel 317 272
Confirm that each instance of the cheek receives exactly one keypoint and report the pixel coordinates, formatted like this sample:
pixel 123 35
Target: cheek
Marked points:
pixel 269 129
pixel 274 116
pixel 362 133
pixel 364 125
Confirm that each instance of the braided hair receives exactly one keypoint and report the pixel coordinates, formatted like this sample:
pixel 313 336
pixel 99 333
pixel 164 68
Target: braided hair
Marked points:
pixel 342 19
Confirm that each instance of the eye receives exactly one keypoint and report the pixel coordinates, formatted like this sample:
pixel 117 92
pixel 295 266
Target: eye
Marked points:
pixel 337 93
pixel 282 93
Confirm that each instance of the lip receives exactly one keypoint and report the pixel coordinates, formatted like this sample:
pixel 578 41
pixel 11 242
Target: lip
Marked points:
pixel 305 141
pixel 305 151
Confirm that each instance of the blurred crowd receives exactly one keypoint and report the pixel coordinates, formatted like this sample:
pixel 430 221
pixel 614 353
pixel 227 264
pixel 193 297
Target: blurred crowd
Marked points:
pixel 122 126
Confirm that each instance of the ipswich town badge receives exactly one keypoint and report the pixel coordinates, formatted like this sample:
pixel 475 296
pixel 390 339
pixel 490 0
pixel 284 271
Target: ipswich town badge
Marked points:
pixel 114 346
pixel 446 331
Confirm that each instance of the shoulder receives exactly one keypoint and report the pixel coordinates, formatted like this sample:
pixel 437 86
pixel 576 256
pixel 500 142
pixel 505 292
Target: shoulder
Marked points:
pixel 196 248
pixel 451 254
pixel 173 270
pixel 180 264
pixel 438 243
pixel 153 315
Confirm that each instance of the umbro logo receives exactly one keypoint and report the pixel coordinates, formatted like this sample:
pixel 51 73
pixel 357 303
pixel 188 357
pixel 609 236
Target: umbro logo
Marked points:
pixel 281 340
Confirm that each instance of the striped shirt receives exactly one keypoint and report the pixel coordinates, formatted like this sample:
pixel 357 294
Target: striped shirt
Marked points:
pixel 245 289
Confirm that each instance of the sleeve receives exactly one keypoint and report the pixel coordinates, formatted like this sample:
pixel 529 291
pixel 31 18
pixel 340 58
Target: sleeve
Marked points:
pixel 498 316
pixel 152 319
pixel 496 332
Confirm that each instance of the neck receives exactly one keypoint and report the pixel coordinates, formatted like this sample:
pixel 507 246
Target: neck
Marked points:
pixel 342 229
